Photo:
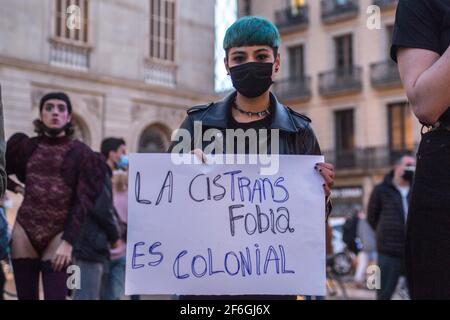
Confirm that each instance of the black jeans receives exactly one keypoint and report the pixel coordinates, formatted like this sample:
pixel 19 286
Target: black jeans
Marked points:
pixel 2 281
pixel 391 269
pixel 428 225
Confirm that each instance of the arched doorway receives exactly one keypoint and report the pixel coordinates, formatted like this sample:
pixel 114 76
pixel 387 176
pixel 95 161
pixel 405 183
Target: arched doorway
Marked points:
pixel 81 130
pixel 154 139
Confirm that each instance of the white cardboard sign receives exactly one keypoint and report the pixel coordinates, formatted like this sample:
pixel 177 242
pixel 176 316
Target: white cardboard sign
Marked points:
pixel 225 229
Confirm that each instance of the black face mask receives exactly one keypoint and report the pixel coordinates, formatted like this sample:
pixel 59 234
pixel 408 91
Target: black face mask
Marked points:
pixel 408 175
pixel 54 132
pixel 252 79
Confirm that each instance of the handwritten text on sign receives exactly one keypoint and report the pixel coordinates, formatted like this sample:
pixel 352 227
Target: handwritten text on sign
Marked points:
pixel 225 229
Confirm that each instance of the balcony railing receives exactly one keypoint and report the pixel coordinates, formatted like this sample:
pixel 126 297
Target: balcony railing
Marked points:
pixel 338 10
pixel 340 81
pixel 69 55
pixel 365 159
pixel 293 88
pixel 386 4
pixel 385 75
pixel 160 73
pixel 290 19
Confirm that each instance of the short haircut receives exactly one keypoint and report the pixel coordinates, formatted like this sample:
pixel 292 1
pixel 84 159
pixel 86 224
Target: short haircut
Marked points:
pixel 398 159
pixel 252 31
pixel 111 144
pixel 56 95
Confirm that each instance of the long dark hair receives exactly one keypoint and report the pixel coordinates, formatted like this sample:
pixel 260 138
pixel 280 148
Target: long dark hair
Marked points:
pixel 39 128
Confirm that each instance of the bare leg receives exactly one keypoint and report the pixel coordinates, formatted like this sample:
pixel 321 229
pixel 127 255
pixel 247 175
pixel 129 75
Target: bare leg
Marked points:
pixel 21 247
pixel 26 265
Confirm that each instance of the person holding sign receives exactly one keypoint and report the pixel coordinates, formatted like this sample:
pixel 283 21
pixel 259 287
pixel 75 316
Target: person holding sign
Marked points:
pixel 252 60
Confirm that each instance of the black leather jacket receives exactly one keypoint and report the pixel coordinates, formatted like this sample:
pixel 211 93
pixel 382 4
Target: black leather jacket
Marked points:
pixel 100 228
pixel 296 135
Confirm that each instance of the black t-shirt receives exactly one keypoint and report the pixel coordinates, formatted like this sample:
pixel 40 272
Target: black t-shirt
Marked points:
pixel 264 123
pixel 422 24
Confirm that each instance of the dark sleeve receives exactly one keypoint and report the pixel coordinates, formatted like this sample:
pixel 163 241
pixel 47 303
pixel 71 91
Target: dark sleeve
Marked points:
pixel 3 176
pixel 111 226
pixel 87 190
pixel 14 157
pixel 105 214
pixel 310 142
pixel 186 125
pixel 374 208
pixel 416 26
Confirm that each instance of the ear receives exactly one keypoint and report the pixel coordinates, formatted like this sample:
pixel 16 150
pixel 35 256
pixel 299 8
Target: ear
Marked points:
pixel 277 63
pixel 69 118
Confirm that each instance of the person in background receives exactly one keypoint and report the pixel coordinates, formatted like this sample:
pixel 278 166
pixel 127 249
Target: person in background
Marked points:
pixel 60 178
pixel 3 223
pixel 387 215
pixel 99 233
pixel 3 177
pixel 4 242
pixel 368 250
pixel 113 283
pixel 349 233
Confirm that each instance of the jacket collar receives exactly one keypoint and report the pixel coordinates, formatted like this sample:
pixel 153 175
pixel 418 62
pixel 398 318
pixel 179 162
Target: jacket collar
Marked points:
pixel 218 114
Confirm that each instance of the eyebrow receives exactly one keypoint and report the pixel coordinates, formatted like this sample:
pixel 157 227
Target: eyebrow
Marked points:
pixel 239 52
pixel 245 52
pixel 262 50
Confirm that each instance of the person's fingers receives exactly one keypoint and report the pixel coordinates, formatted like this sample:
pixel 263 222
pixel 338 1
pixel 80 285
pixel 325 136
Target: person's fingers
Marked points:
pixel 54 262
pixel 57 263
pixel 66 262
pixel 200 155
pixel 325 165
pixel 61 263
pixel 327 175
pixel 326 171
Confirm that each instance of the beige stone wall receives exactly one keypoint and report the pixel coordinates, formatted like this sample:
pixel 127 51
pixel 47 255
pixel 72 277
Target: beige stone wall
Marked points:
pixel 111 98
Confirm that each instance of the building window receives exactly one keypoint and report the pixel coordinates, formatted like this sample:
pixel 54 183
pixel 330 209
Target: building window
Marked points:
pixel 344 52
pixel 345 134
pixel 296 62
pixel 345 139
pixel 162 29
pixel 69 47
pixel 154 139
pixel 400 121
pixel 296 5
pixel 71 20
pixel 247 8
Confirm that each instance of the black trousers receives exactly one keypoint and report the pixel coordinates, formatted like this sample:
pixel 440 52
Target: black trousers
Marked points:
pixel 428 226
pixel 2 282
pixel 391 268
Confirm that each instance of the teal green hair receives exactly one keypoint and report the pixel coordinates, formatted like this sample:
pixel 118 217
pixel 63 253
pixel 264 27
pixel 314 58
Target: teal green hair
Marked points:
pixel 252 31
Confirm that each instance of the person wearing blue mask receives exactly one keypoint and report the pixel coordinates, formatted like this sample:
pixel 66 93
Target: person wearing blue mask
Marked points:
pixel 113 282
